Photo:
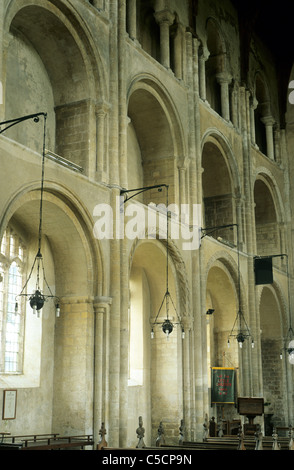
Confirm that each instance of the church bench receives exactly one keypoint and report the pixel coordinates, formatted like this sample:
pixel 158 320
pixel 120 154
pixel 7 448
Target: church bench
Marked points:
pixel 9 446
pixel 47 442
pixel 58 442
pixel 250 442
pixel 22 437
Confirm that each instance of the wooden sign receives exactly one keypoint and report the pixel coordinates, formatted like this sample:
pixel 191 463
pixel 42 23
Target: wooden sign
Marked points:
pixel 250 406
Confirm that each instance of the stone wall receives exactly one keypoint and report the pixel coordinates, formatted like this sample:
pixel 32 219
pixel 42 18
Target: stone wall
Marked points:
pixel 273 383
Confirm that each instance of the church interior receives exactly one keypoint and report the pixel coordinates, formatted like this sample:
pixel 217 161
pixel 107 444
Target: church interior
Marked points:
pixel 146 202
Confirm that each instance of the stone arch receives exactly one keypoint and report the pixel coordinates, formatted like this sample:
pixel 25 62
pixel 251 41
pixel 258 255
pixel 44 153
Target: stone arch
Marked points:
pixel 267 177
pixel 178 270
pixel 70 76
pixel 216 65
pixel 147 264
pixel 261 91
pixel 215 37
pixel 262 112
pixel 224 145
pixel 74 270
pixel 269 214
pixel 230 266
pixel 278 295
pixel 148 31
pixel 63 215
pixel 222 295
pixel 272 314
pixel 221 191
pixel 155 135
pixel 76 28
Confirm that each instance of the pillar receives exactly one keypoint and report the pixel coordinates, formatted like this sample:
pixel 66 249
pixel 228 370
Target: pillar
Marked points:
pixel 132 18
pixel 114 245
pixel 187 378
pixel 224 80
pixel 101 112
pixel 101 360
pixel 182 183
pixel 73 374
pixel 253 106
pixel 268 121
pixel 277 140
pixel 234 99
pixel 179 51
pixel 165 19
pixel 203 57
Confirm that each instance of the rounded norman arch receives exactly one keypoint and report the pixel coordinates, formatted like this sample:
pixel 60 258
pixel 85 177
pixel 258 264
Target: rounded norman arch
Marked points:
pixel 177 269
pixel 264 175
pixel 68 228
pixel 155 91
pixel 221 142
pixel 67 19
pixel 225 261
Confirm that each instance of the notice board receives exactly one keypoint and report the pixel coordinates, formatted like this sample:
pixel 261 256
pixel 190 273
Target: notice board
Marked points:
pixel 222 385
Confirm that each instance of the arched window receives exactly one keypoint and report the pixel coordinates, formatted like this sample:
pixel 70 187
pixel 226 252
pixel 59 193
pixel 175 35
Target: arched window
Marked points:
pixel 11 322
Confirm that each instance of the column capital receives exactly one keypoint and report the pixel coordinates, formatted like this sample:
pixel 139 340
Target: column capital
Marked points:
pixel 102 302
pixel 102 107
pixel 268 120
pixel 204 53
pixel 253 102
pixel 224 77
pixel 164 16
pixel 182 163
pixel 187 322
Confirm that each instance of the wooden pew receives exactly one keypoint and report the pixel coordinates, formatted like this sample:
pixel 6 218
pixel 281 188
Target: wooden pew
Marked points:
pixel 4 434
pixel 58 442
pixel 47 442
pixel 224 443
pixel 31 436
pixel 9 446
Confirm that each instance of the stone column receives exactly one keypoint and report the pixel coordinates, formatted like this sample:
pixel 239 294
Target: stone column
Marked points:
pixel 268 121
pixel 114 259
pixel 101 361
pixel 165 19
pixel 187 377
pixel 113 92
pixel 182 182
pixel 122 86
pixel 224 80
pixel 5 42
pixel 132 18
pixel 234 99
pixel 253 106
pixel 101 112
pixel 74 373
pixel 123 262
pixel 203 57
pixel 277 140
pixel 179 51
